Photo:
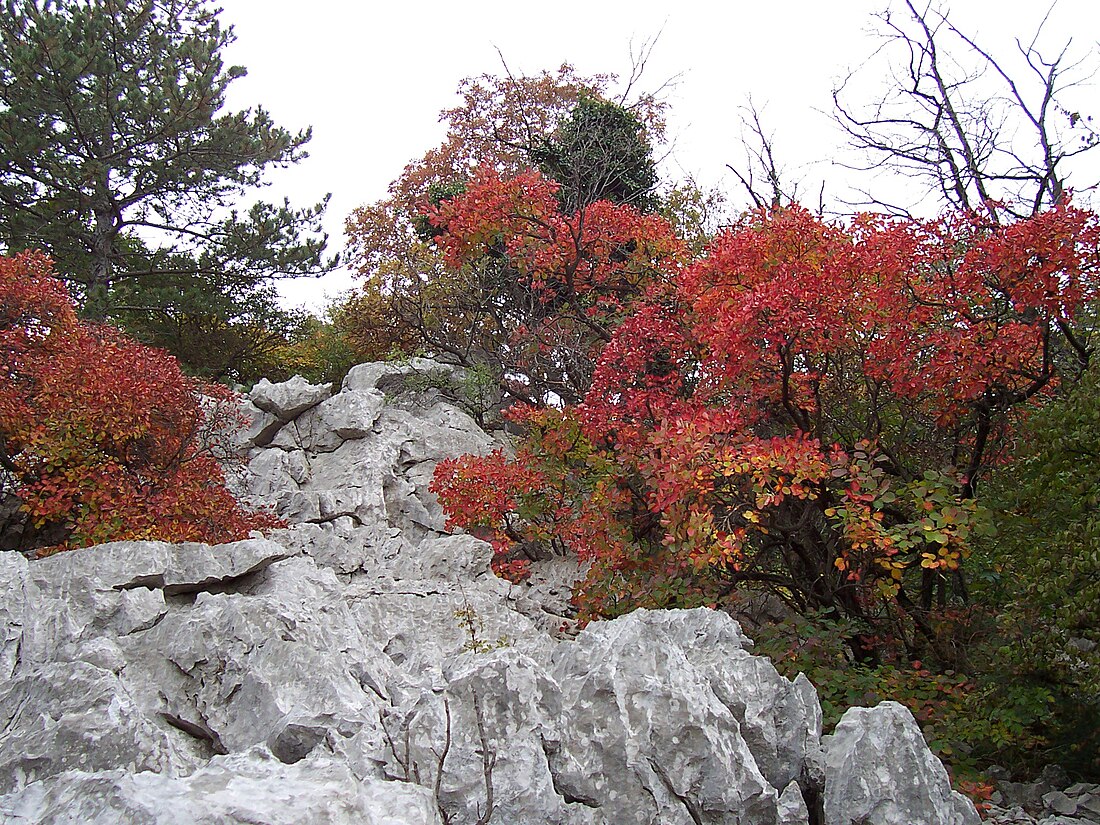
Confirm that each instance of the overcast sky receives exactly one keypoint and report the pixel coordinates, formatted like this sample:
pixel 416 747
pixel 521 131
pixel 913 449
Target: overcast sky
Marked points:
pixel 371 78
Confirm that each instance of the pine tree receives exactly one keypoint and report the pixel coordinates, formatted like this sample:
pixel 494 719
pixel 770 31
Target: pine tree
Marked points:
pixel 117 159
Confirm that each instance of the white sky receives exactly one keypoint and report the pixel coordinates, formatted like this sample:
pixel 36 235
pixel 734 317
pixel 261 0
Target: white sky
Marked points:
pixel 371 78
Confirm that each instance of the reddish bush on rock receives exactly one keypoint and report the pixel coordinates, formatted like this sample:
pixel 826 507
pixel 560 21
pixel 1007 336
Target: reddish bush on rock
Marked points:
pixel 102 438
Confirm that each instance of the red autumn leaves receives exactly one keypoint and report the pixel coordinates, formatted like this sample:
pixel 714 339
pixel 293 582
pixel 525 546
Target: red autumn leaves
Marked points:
pixel 102 438
pixel 807 405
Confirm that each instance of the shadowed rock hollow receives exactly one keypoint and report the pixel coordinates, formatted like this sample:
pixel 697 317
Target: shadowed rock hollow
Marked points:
pixel 362 666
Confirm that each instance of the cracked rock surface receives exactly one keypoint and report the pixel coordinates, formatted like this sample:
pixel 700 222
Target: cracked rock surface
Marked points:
pixel 362 666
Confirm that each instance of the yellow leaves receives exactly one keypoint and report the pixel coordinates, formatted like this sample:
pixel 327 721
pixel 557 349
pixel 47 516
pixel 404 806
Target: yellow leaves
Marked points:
pixel 887 588
pixel 945 558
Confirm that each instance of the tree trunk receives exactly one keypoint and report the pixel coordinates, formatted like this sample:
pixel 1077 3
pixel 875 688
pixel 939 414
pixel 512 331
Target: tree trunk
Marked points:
pixel 103 243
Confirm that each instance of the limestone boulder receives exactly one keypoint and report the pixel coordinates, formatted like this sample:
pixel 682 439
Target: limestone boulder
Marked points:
pixel 484 741
pixel 114 590
pixel 289 399
pixel 645 738
pixel 346 416
pixel 281 662
pixel 879 771
pixel 77 716
pixel 14 581
pixel 252 787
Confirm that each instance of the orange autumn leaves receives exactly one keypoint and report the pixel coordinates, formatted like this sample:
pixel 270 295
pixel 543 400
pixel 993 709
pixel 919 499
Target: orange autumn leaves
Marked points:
pixel 808 405
pixel 102 438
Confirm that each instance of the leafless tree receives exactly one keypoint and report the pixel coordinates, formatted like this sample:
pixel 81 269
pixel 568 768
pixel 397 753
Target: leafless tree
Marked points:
pixel 767 183
pixel 979 133
pixel 410 768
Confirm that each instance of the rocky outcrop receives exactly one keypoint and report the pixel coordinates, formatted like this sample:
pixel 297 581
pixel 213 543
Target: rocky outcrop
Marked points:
pixel 363 666
pixel 362 458
pixel 881 771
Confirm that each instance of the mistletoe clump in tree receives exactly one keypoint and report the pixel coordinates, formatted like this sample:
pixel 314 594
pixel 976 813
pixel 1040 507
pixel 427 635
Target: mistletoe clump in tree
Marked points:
pixel 103 439
pixel 807 409
pixel 599 153
pixel 117 160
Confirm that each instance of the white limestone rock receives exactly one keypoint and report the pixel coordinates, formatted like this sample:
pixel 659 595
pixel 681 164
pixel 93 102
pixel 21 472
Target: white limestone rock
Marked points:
pixel 289 399
pixel 251 787
pixel 345 546
pixel 283 663
pixel 488 731
pixel 370 376
pixel 272 472
pixel 14 581
pixel 76 716
pixel 879 771
pixel 343 417
pixel 458 558
pixel 780 720
pixel 422 624
pixel 260 427
pixel 792 807
pixel 357 455
pixel 644 736
pixel 173 568
pixel 117 589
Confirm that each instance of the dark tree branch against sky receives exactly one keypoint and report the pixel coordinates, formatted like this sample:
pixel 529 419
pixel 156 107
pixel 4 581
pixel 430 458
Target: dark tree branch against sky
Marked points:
pixel 113 130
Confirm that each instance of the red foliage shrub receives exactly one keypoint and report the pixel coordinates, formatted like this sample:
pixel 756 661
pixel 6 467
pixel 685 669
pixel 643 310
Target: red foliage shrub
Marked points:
pixel 103 437
pixel 806 408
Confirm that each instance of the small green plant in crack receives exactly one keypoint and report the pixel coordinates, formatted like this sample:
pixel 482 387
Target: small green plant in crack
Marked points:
pixel 480 391
pixel 475 389
pixel 436 378
pixel 471 622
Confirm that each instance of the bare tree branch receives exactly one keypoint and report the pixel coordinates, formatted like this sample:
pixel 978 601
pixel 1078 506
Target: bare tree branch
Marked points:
pixel 981 136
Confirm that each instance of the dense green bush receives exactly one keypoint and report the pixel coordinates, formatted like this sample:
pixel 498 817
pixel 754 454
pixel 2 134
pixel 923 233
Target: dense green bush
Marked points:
pixel 1043 571
pixel 1022 689
pixel 970 720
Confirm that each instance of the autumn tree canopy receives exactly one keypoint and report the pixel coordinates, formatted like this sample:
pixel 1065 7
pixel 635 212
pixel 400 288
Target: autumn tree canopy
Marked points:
pixel 475 311
pixel 555 282
pixel 807 408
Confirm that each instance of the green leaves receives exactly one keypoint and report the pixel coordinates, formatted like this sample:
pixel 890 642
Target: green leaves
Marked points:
pixel 1044 565
pixel 600 152
pixel 111 129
